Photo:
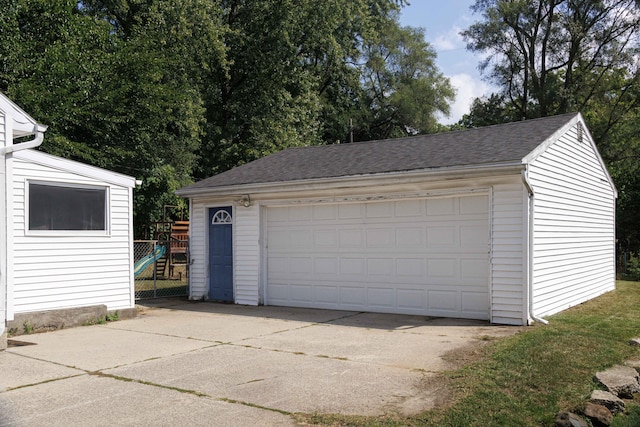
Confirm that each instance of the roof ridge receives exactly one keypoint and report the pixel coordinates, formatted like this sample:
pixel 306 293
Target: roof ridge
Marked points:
pixel 426 135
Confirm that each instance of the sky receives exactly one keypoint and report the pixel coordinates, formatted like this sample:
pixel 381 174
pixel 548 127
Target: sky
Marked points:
pixel 443 21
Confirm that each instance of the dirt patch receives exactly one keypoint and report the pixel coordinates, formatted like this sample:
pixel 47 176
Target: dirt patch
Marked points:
pixel 441 385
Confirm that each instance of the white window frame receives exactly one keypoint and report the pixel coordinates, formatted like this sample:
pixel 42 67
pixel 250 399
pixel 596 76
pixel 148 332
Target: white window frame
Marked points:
pixel 94 233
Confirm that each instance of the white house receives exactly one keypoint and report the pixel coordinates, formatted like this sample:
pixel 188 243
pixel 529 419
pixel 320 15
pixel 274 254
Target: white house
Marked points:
pixel 67 228
pixel 506 223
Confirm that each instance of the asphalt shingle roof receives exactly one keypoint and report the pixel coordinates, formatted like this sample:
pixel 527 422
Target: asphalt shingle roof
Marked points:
pixel 496 144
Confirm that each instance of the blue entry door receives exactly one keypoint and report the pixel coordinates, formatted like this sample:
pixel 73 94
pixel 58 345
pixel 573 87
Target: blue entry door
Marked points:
pixel 221 254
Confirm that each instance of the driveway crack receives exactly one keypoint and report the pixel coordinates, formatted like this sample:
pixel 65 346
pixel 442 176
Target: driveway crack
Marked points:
pixel 188 391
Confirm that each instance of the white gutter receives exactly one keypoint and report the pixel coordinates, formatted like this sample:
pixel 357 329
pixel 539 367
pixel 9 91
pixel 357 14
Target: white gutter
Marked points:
pixel 529 273
pixel 35 142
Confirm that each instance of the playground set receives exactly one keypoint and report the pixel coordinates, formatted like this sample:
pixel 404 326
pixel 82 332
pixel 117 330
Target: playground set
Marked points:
pixel 168 250
pixel 161 266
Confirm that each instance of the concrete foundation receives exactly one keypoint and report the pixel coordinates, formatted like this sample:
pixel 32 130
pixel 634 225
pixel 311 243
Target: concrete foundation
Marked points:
pixel 41 321
pixel 3 340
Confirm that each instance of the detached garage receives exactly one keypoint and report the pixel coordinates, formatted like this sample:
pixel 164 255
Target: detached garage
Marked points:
pixel 506 223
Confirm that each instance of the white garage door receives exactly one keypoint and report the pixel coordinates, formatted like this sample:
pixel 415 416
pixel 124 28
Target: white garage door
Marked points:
pixel 427 256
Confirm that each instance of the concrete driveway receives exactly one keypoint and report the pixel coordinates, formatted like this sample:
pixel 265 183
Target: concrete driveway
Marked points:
pixel 182 363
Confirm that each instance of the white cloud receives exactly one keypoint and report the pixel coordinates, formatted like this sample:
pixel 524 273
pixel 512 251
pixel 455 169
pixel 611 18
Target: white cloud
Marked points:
pixel 448 41
pixel 467 89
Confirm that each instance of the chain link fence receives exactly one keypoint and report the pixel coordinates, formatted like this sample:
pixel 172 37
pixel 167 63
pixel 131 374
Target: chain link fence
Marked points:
pixel 161 268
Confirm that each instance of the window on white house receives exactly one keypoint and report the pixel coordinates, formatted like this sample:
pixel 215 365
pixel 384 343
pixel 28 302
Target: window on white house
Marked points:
pixel 58 206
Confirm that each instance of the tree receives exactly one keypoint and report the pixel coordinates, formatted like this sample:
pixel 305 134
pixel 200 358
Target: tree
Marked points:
pixel 555 56
pixel 487 111
pixel 403 88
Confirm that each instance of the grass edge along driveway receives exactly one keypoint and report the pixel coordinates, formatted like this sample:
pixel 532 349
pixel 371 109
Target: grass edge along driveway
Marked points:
pixel 524 380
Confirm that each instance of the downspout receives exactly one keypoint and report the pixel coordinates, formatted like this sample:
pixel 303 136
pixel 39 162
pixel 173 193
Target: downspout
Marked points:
pixel 38 131
pixel 529 275
pixel 35 142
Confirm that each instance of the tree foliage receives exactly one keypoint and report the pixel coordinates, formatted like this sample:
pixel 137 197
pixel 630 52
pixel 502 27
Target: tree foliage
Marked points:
pixel 556 56
pixel 179 90
pixel 403 89
pixel 487 111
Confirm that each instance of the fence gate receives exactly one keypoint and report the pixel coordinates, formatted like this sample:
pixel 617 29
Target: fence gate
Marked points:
pixel 161 268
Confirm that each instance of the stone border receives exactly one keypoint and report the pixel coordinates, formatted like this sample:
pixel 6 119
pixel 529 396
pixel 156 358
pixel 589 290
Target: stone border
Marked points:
pixel 619 382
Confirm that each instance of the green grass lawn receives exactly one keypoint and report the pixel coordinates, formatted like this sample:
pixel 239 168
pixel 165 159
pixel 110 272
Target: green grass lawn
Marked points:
pixel 525 379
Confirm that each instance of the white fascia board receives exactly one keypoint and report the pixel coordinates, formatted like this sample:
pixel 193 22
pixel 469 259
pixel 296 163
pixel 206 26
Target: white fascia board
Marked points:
pixel 354 181
pixel 77 168
pixel 533 155
pixel 544 145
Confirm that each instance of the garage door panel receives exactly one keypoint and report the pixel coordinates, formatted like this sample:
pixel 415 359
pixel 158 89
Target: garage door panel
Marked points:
pixel 379 210
pixel 381 298
pixel 410 208
pixel 300 213
pixel 380 238
pixel 327 294
pixel 411 299
pixel 474 204
pixel 278 267
pixel 474 236
pixel 325 266
pixel 353 296
pixel 326 238
pixel 278 293
pixel 301 266
pixel 324 212
pixel 411 268
pixel 279 215
pixel 410 238
pixel 424 256
pixel 441 236
pixel 377 267
pixel 442 300
pixel 351 238
pixel 301 293
pixel 442 269
pixel 300 238
pixel 278 239
pixel 442 206
pixel 352 267
pixel 474 302
pixel 350 211
pixel 474 270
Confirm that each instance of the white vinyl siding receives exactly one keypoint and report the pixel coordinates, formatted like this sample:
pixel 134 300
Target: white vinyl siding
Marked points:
pixel 574 225
pixel 508 254
pixel 198 234
pixel 56 272
pixel 246 258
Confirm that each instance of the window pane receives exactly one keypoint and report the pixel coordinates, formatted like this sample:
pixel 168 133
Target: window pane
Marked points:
pixel 52 207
